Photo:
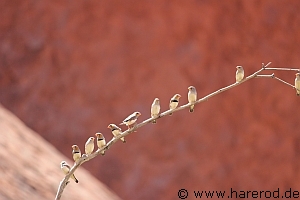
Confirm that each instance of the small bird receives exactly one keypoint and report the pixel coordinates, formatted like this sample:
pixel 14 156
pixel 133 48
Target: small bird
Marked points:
pixel 239 75
pixel 76 152
pixel 116 131
pixel 131 119
pixel 66 169
pixel 192 97
pixel 155 108
pixel 174 102
pixel 100 142
pixel 297 83
pixel 89 146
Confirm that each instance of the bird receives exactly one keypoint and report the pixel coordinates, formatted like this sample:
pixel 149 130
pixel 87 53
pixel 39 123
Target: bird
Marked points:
pixel 115 130
pixel 131 119
pixel 89 146
pixel 174 102
pixel 76 152
pixel 297 83
pixel 239 75
pixel 155 108
pixel 66 169
pixel 100 142
pixel 192 97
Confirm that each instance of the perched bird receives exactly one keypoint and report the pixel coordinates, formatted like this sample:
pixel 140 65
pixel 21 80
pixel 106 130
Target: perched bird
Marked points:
pixel 100 142
pixel 131 119
pixel 174 102
pixel 66 169
pixel 297 84
pixel 116 131
pixel 155 108
pixel 76 152
pixel 239 75
pixel 89 146
pixel 192 97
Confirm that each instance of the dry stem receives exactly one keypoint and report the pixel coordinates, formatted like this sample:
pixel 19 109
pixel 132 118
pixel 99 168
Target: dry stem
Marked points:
pixel 82 160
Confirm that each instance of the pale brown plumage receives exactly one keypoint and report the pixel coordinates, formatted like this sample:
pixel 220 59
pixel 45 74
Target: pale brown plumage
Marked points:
pixel 174 101
pixel 76 152
pixel 192 97
pixel 100 142
pixel 66 169
pixel 116 131
pixel 131 119
pixel 239 74
pixel 155 108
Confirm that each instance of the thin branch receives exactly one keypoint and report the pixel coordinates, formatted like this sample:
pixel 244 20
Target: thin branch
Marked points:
pixel 84 159
pixel 283 69
pixel 266 76
pixel 265 66
pixel 284 82
pixel 273 76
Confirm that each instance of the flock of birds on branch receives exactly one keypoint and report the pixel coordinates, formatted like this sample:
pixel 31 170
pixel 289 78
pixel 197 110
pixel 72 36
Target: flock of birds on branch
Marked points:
pixel 131 120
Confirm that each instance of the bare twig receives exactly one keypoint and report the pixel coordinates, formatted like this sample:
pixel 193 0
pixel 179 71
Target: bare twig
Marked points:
pixel 284 82
pixel 84 159
pixel 273 76
pixel 265 76
pixel 283 69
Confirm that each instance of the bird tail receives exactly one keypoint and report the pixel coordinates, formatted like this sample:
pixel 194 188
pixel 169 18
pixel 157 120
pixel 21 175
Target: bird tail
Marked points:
pixel 192 108
pixel 123 140
pixel 75 179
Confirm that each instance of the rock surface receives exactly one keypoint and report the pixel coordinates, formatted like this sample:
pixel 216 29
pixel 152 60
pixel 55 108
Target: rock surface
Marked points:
pixel 30 167
pixel 70 68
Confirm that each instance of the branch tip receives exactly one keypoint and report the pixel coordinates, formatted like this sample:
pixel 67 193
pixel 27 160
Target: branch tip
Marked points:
pixel 265 66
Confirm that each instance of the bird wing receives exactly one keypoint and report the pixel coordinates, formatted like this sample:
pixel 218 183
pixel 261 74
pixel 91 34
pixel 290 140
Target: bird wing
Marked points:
pixel 129 118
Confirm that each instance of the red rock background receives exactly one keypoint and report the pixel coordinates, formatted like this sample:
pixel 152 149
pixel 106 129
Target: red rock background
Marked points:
pixel 70 68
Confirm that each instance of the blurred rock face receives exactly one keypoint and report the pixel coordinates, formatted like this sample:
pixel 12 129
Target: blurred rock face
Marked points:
pixel 30 167
pixel 68 69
